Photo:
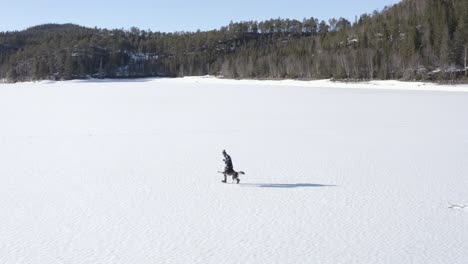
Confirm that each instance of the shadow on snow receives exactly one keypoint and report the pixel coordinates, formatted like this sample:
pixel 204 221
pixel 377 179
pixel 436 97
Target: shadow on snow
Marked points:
pixel 284 185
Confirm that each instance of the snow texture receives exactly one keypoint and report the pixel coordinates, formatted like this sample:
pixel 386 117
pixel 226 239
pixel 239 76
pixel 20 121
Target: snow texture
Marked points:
pixel 126 172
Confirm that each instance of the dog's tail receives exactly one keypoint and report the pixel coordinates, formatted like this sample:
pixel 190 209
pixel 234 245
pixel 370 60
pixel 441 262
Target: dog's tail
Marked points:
pixel 241 172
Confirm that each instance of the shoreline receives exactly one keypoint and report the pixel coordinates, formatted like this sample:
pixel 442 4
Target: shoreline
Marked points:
pixel 323 83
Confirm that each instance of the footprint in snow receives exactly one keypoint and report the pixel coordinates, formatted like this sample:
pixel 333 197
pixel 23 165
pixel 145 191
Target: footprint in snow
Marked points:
pixel 458 206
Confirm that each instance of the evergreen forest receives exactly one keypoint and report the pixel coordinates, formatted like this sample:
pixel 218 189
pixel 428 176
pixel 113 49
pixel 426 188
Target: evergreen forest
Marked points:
pixel 411 40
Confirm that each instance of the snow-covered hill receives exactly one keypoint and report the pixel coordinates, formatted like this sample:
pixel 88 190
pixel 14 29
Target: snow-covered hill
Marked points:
pixel 126 172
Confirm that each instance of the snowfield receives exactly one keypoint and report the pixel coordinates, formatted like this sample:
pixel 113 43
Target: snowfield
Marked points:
pixel 126 172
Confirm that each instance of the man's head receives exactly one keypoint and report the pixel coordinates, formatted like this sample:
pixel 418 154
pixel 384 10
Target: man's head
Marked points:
pixel 224 152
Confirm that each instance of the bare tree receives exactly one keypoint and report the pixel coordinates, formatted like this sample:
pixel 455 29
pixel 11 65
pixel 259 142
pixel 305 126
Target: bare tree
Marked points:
pixel 466 68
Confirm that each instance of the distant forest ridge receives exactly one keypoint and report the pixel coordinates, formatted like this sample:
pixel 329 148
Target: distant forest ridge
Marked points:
pixel 411 40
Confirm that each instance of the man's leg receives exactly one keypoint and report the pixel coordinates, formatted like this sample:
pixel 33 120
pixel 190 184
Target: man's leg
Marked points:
pixel 224 174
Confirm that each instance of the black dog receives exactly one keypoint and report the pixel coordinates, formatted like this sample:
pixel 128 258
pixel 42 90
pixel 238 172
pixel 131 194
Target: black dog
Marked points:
pixel 234 174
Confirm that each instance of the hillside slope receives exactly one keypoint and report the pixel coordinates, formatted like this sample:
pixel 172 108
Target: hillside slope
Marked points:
pixel 415 39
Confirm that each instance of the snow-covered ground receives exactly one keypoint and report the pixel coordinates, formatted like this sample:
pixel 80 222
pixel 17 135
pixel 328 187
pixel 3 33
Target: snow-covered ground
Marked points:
pixel 126 172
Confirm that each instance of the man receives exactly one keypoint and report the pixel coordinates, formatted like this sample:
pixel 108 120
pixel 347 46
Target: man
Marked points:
pixel 229 169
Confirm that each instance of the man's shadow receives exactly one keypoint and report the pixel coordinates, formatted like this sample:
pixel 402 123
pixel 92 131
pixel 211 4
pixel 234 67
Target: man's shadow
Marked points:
pixel 285 185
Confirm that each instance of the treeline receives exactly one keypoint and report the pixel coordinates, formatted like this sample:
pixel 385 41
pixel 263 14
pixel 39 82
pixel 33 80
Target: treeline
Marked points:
pixel 412 40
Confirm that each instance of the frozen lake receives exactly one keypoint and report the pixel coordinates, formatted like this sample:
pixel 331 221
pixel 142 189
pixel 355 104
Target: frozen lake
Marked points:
pixel 126 172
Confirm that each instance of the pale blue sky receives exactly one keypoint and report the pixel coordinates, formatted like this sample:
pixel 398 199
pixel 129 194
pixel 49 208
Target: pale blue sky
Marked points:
pixel 173 15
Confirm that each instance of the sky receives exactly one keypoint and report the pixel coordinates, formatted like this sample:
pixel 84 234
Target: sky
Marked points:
pixel 173 15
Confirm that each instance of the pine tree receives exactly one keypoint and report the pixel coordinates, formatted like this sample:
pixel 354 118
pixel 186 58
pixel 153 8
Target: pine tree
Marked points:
pixel 444 49
pixel 461 35
pixel 69 67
